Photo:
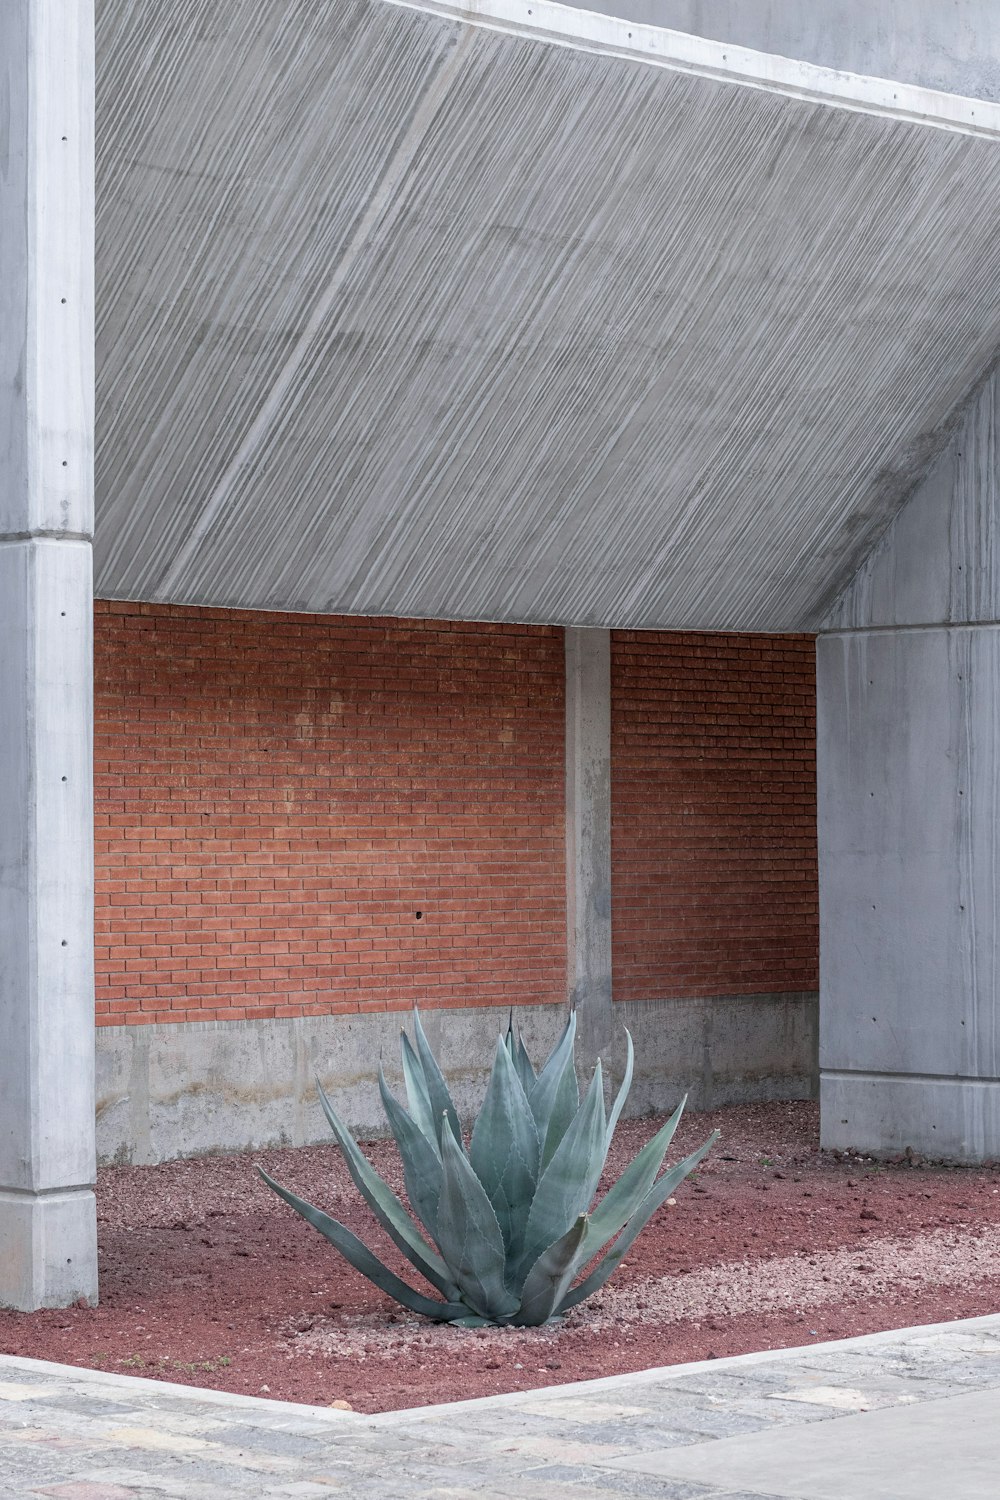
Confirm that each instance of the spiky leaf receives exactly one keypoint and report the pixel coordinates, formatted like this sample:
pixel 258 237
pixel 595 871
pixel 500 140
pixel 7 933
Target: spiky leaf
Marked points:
pixel 657 1195
pixel 422 1171
pixel 387 1208
pixel 442 1107
pixel 622 1095
pixel 361 1258
pixel 567 1185
pixel 549 1278
pixel 418 1099
pixel 504 1150
pixel 555 1097
pixel 469 1236
pixel 626 1194
pixel 519 1057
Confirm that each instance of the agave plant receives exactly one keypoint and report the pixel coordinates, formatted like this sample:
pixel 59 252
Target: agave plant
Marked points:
pixel 508 1222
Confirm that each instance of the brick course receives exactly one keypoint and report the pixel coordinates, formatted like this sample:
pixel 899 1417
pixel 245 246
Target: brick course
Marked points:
pixel 713 814
pixel 278 796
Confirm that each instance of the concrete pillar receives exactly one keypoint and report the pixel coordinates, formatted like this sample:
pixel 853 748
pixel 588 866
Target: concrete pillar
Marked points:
pixel 48 1231
pixel 588 834
pixel 909 821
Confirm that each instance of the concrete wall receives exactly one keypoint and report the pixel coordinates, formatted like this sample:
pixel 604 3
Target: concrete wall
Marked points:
pixel 940 44
pixel 909 821
pixel 166 1091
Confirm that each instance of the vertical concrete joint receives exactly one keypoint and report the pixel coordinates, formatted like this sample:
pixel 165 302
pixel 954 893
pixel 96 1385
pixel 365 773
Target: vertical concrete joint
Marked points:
pixel 48 1230
pixel 588 834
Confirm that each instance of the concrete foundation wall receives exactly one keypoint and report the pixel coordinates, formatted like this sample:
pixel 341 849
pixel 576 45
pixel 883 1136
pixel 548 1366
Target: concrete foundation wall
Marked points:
pixel 182 1090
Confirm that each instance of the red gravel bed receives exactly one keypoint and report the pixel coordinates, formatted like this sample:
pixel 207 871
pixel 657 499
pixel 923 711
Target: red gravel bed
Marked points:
pixel 208 1279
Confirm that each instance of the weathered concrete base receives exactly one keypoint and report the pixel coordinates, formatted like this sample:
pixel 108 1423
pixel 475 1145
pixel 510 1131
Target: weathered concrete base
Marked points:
pixel 881 1114
pixel 169 1091
pixel 46 1248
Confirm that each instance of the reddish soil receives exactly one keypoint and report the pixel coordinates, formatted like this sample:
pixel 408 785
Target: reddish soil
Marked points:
pixel 208 1279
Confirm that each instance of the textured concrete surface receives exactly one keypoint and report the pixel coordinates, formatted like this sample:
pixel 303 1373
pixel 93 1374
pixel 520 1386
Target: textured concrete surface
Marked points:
pixel 590 323
pixel 909 808
pixel 47 1213
pixel 907 1414
pixel 955 47
pixel 588 835
pixel 167 1091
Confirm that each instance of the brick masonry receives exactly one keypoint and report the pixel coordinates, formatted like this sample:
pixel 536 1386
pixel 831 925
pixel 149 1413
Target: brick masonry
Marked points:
pixel 713 754
pixel 303 815
pixel 279 796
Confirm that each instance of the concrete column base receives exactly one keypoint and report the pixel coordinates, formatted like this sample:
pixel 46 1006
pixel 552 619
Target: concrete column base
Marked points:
pixel 883 1114
pixel 38 1236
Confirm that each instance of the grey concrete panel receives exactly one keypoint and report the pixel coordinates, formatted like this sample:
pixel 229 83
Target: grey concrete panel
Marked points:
pixel 939 561
pixel 596 333
pixel 946 1119
pixel 181 1090
pixel 46 255
pixel 588 834
pixel 955 47
pixel 48 1229
pixel 908 743
pixel 48 1249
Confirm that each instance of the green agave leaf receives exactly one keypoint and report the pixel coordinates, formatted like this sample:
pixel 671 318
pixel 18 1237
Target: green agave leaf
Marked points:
pixel 555 1096
pixel 469 1236
pixel 422 1170
pixel 567 1185
pixel 656 1196
pixel 547 1281
pixel 417 1097
pixel 387 1208
pixel 626 1194
pixel 361 1258
pixel 440 1099
pixel 622 1094
pixel 519 1057
pixel 504 1150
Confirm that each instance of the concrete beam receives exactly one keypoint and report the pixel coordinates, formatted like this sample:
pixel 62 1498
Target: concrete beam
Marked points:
pixel 48 1252
pixel 588 834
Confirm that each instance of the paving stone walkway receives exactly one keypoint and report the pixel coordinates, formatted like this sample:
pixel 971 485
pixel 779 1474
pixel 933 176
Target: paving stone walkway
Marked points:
pixel 899 1416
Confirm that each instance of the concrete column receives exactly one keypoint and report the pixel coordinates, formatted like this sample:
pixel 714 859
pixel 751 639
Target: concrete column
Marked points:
pixel 48 1254
pixel 588 834
pixel 909 822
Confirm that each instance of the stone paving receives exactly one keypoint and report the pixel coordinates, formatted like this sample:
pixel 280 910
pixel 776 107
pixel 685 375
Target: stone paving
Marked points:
pixel 895 1416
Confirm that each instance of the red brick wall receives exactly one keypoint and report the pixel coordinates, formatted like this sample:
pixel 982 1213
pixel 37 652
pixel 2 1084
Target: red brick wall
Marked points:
pixel 713 774
pixel 279 795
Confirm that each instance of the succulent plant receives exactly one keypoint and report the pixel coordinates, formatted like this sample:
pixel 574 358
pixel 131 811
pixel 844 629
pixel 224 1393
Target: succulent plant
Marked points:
pixel 510 1216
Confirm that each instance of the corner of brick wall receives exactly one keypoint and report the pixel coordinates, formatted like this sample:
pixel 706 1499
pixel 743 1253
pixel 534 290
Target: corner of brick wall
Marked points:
pixel 714 864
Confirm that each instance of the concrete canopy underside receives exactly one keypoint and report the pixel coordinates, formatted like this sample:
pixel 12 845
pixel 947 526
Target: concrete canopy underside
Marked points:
pixel 546 317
